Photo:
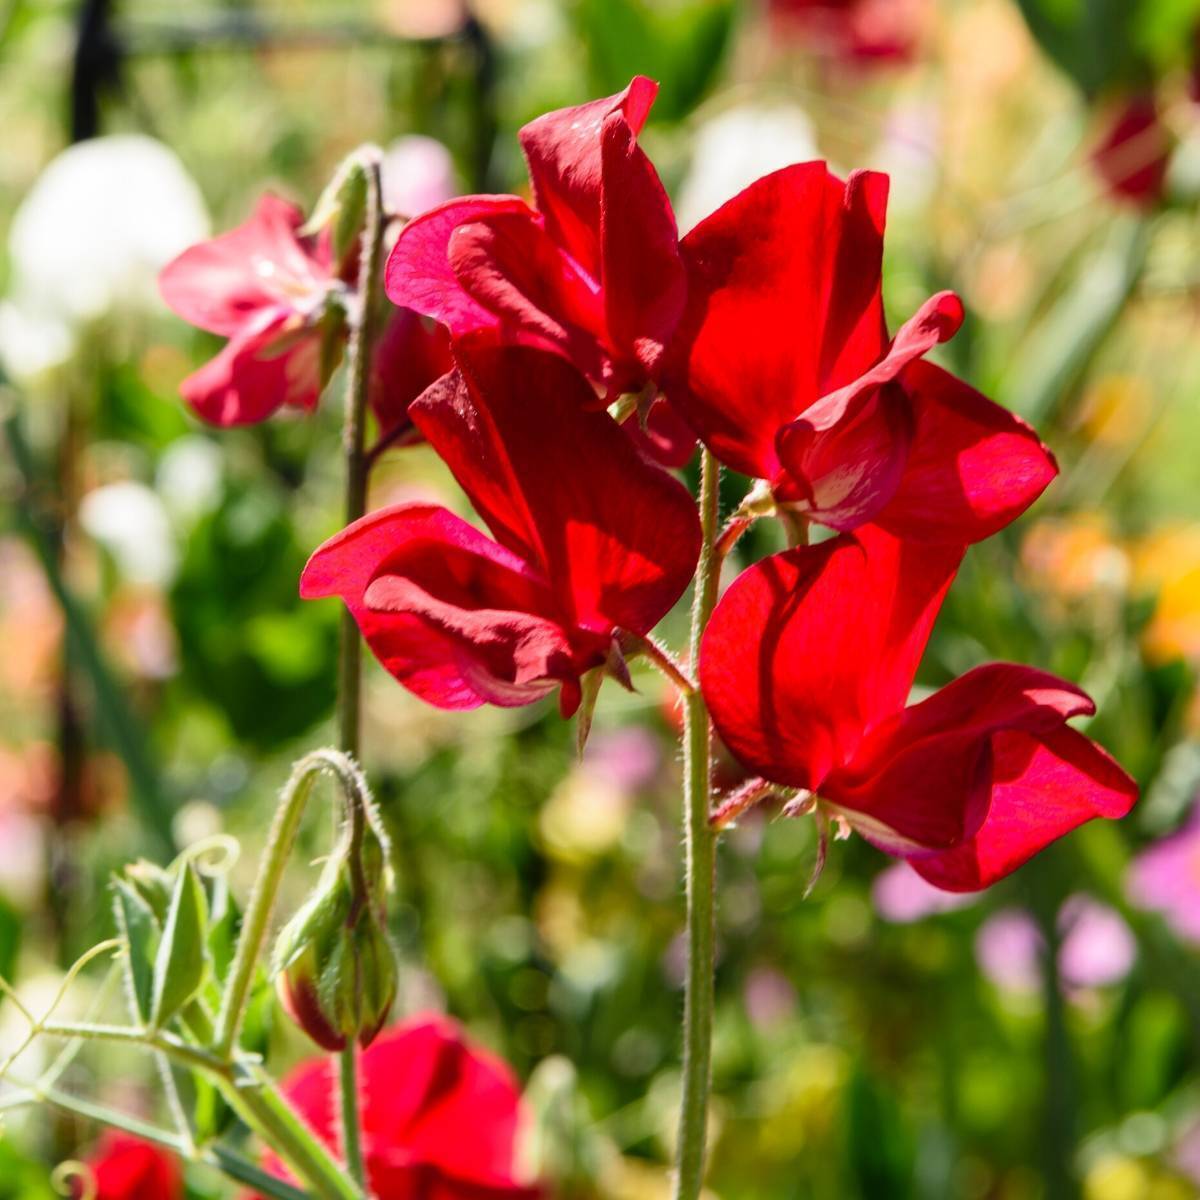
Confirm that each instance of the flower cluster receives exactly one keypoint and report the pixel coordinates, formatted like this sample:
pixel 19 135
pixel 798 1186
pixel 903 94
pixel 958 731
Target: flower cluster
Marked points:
pixel 588 348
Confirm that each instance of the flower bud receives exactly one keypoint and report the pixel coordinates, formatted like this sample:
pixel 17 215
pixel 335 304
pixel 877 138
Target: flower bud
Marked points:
pixel 336 969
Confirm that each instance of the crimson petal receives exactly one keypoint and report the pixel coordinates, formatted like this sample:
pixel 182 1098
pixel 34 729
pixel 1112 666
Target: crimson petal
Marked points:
pixel 641 270
pixel 972 468
pixel 563 150
pixel 809 649
pixel 419 274
pixel 267 364
pixel 923 780
pixel 783 304
pixel 456 618
pixel 217 285
pixel 1043 786
pixel 563 486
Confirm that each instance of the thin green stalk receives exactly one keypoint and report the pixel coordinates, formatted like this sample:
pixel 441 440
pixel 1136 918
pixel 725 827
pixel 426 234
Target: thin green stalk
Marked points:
pixel 347 1064
pixel 700 847
pixel 370 272
pixel 266 1112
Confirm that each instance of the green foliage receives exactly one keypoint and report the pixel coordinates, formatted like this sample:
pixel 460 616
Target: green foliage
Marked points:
pixel 182 958
pixel 682 45
pixel 249 646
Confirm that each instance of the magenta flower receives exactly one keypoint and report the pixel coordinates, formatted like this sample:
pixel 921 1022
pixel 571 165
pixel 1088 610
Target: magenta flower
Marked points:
pixel 1165 878
pixel 264 286
pixel 901 896
pixel 1096 949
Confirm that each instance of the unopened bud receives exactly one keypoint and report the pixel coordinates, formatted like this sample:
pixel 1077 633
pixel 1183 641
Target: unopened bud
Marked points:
pixel 336 969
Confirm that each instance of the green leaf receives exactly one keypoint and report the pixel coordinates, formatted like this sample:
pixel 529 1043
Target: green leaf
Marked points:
pixel 183 953
pixel 140 932
pixel 681 44
pixel 224 926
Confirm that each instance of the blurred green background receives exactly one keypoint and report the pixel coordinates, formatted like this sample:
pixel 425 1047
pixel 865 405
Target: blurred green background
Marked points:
pixel 158 672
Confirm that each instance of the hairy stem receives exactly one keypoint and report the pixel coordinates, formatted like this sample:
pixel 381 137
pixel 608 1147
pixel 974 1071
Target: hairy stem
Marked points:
pixel 700 846
pixel 350 662
pixel 266 1112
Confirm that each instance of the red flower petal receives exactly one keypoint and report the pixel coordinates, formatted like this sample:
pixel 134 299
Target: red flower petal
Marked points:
pixel 845 475
pixel 127 1168
pixel 923 779
pixel 809 649
pixel 1043 786
pixel 563 487
pixel 457 619
pixel 972 468
pixel 510 265
pixel 270 362
pixel 782 305
pixel 423 1083
pixel 411 353
pixel 419 275
pixel 563 150
pixel 937 320
pixel 219 284
pixel 641 270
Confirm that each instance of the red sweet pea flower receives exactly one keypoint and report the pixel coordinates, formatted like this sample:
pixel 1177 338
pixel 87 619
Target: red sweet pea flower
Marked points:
pixel 412 352
pixel 1134 151
pixel 806 666
pixel 126 1168
pixel 784 367
pixel 856 31
pixel 592 273
pixel 264 287
pixel 440 1116
pixel 591 539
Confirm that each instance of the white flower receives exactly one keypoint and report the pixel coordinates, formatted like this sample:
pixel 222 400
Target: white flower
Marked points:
pixel 189 477
pixel 92 234
pixel 130 521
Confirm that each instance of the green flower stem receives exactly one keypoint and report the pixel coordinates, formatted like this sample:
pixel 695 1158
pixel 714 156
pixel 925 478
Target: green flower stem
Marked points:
pixel 700 846
pixel 266 1112
pixel 347 1065
pixel 370 272
pixel 248 1092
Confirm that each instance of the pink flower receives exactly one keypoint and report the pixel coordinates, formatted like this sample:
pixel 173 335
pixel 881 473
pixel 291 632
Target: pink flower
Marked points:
pixel 264 286
pixel 901 896
pixel 1165 878
pixel 1096 948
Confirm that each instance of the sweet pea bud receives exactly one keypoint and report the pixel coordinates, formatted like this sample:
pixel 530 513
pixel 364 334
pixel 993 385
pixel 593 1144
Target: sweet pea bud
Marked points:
pixel 335 968
pixel 342 206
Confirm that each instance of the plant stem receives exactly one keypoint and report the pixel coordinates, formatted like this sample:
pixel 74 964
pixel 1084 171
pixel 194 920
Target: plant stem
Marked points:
pixel 354 437
pixel 350 664
pixel 351 1132
pixel 700 844
pixel 266 1112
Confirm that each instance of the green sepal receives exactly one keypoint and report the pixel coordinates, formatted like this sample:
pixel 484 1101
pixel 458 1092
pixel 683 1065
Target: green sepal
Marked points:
pixel 139 930
pixel 182 959
pixel 342 207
